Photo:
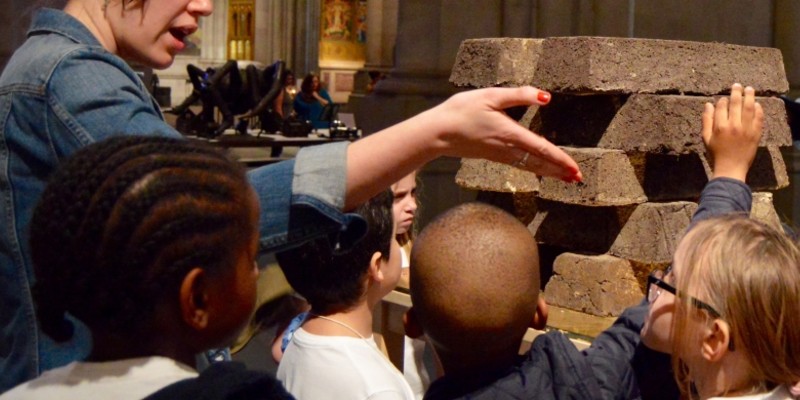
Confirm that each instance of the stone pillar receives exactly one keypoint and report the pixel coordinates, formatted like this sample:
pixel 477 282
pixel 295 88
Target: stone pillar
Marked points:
pixel 428 35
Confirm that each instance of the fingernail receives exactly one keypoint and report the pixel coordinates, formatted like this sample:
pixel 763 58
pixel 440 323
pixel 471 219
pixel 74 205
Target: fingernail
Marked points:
pixel 543 97
pixel 737 85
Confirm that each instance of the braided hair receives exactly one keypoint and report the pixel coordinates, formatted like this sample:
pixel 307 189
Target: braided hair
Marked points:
pixel 122 222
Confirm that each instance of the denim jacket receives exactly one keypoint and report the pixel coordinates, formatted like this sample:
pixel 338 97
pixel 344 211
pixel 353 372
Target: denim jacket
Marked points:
pixel 61 91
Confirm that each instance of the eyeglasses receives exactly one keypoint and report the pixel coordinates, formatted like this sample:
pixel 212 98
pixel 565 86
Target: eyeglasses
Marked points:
pixel 655 284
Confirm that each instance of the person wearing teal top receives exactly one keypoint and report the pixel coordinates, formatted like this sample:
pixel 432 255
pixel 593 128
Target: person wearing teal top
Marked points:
pixel 311 100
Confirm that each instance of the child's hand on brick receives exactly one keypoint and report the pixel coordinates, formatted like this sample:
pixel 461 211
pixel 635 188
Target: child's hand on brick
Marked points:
pixel 731 132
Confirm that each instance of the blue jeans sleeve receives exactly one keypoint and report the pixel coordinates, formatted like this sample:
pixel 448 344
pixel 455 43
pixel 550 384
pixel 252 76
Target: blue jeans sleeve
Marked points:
pixel 301 199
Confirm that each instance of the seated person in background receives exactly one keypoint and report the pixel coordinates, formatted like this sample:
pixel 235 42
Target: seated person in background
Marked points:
pixel 150 242
pixel 312 99
pixel 475 291
pixel 333 353
pixel 287 95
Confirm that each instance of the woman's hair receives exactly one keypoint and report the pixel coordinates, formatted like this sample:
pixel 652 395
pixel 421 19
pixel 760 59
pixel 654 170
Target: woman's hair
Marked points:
pixel 285 76
pixel 122 221
pixel 307 87
pixel 750 274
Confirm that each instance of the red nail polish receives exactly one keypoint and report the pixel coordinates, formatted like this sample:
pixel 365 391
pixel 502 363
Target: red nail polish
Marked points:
pixel 543 97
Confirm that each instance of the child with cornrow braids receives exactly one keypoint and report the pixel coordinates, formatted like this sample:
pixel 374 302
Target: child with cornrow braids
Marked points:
pixel 150 242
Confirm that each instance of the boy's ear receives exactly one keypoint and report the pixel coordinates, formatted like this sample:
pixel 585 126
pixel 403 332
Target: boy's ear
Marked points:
pixel 539 320
pixel 412 326
pixel 375 270
pixel 194 299
pixel 716 339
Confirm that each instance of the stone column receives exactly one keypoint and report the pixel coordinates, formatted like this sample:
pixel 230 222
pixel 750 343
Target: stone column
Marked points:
pixel 429 33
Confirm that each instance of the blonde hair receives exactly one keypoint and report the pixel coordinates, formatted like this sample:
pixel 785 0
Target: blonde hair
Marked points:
pixel 750 273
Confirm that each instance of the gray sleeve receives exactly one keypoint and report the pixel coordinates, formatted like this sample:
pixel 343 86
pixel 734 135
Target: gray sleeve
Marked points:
pixel 723 196
pixel 321 172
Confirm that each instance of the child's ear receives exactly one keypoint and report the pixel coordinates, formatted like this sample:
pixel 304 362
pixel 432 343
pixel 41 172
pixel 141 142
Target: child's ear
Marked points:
pixel 716 339
pixel 194 299
pixel 539 320
pixel 375 270
pixel 412 326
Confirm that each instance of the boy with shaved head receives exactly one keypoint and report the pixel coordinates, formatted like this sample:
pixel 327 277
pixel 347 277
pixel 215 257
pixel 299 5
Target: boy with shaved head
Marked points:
pixel 475 289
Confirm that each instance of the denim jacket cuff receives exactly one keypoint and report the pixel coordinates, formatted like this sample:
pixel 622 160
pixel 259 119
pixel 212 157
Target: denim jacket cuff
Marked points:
pixel 321 172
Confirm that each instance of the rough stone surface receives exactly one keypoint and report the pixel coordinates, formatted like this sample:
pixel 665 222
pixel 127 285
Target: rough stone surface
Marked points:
pixel 599 285
pixel 763 210
pixel 666 177
pixel 663 124
pixel 623 65
pixel 521 205
pixel 578 228
pixel 646 233
pixel 652 232
pixel 768 171
pixel 478 174
pixel 609 180
pixel 496 62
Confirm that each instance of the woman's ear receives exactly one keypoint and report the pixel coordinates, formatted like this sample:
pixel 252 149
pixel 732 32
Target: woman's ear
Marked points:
pixel 375 267
pixel 194 299
pixel 539 320
pixel 716 340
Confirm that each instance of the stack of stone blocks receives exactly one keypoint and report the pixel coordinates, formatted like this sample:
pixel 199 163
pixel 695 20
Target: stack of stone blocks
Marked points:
pixel 629 112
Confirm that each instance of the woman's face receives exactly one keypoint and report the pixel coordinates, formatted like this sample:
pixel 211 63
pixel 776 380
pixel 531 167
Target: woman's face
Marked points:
pixel 315 83
pixel 152 32
pixel 405 202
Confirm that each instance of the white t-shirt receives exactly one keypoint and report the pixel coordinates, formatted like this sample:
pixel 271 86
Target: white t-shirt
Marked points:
pixel 779 393
pixel 339 367
pixel 133 378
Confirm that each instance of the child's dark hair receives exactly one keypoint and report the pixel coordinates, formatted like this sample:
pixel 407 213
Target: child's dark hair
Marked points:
pixel 333 281
pixel 121 223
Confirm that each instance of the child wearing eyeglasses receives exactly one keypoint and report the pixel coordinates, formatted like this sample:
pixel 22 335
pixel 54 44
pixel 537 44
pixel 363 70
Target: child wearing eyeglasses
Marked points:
pixel 725 310
pixel 487 260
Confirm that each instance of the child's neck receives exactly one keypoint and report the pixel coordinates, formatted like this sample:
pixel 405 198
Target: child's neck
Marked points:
pixel 109 347
pixel 354 322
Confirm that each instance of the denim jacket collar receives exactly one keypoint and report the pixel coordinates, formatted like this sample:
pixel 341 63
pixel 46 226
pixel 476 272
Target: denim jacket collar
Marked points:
pixel 48 20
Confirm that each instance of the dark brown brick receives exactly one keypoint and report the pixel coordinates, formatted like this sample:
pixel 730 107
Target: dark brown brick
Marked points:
pixel 768 171
pixel 646 233
pixel 652 232
pixel 609 180
pixel 663 124
pixel 578 228
pixel 521 205
pixel 622 65
pixel 764 210
pixel 496 62
pixel 492 176
pixel 598 285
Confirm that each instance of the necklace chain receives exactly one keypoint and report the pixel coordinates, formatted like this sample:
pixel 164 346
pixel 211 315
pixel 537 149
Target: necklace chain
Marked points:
pixel 341 324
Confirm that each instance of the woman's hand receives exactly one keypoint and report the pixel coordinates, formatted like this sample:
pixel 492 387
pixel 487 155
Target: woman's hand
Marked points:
pixel 473 125
pixel 731 132
pixel 469 124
